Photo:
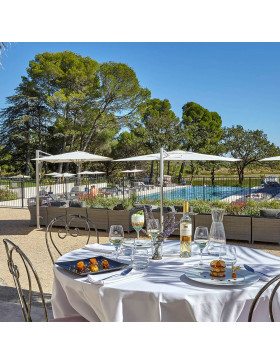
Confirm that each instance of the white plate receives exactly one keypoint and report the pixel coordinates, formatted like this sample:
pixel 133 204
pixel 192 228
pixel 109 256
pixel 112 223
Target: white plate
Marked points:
pixel 243 277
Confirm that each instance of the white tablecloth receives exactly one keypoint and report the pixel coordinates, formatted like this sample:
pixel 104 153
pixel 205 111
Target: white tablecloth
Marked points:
pixel 163 293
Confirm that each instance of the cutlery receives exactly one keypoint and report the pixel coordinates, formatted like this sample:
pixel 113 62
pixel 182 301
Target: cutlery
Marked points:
pixel 123 273
pixel 250 269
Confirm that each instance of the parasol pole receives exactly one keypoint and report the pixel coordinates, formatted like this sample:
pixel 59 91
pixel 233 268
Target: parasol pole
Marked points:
pixel 161 189
pixel 37 190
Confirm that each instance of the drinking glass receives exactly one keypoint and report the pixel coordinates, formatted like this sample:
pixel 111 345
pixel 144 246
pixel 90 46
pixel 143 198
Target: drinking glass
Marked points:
pixel 137 222
pixel 228 254
pixel 153 228
pixel 140 258
pixel 116 236
pixel 201 239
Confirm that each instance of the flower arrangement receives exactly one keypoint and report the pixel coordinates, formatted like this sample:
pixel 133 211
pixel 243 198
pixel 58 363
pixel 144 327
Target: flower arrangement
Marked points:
pixel 169 225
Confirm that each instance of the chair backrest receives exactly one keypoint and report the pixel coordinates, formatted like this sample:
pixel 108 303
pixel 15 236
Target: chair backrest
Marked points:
pixel 264 288
pixel 14 251
pixel 69 225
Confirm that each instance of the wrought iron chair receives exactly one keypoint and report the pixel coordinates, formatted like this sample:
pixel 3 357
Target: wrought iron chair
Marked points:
pixel 13 251
pixel 69 225
pixel 264 288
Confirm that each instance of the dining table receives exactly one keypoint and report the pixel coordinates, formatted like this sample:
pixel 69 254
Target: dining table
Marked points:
pixel 162 292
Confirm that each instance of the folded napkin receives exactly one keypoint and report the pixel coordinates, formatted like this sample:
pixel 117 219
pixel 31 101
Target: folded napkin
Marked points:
pixel 100 248
pixel 96 279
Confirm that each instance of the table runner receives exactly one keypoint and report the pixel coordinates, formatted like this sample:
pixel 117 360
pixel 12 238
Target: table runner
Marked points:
pixel 162 294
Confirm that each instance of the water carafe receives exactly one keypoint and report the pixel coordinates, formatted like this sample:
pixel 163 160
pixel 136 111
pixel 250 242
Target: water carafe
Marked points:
pixel 217 237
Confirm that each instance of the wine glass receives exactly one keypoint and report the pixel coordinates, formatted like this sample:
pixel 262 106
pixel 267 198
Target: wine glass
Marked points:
pixel 116 236
pixel 153 228
pixel 137 222
pixel 201 239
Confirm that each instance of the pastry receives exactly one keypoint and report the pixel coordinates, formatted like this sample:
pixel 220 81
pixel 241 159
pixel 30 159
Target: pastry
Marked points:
pixel 217 268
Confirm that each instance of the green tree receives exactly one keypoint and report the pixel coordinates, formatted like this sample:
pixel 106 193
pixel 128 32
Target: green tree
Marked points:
pixel 201 129
pixel 247 145
pixel 82 101
pixel 159 127
pixel 23 126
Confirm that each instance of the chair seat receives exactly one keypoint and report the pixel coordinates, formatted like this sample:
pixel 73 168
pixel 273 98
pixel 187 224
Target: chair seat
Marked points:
pixel 70 319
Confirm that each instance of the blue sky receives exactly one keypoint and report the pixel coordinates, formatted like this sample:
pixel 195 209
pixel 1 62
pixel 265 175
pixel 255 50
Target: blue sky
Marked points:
pixel 240 81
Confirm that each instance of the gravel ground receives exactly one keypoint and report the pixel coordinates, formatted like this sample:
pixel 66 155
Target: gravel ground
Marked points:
pixel 14 225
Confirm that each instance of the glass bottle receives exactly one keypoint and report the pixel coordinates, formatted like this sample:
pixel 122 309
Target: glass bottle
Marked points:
pixel 217 237
pixel 185 233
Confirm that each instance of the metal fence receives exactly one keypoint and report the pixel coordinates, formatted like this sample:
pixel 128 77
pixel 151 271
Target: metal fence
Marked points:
pixel 22 193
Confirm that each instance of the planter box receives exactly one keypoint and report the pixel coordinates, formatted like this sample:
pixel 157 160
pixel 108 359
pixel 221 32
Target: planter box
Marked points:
pixel 203 220
pixel 265 229
pixel 238 227
pixel 99 217
pixel 77 211
pixel 43 215
pixel 121 217
pixel 55 212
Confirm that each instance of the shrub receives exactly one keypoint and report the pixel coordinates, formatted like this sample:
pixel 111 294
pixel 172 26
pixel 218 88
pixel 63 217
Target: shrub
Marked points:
pixel 7 195
pixel 250 207
pixel 101 201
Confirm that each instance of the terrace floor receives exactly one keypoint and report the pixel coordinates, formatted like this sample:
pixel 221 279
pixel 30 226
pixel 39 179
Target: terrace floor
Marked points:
pixel 14 225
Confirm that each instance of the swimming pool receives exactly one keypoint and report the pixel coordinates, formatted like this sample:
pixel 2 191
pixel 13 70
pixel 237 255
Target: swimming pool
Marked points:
pixel 199 192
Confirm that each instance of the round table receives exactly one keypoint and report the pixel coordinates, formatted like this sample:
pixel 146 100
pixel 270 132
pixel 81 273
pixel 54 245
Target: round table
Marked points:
pixel 163 293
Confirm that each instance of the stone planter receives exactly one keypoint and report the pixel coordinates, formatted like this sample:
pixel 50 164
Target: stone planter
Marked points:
pixel 99 217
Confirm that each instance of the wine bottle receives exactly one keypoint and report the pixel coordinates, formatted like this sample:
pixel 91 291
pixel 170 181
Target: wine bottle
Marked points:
pixel 185 232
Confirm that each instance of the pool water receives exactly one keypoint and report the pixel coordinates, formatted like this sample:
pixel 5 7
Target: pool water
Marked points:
pixel 200 192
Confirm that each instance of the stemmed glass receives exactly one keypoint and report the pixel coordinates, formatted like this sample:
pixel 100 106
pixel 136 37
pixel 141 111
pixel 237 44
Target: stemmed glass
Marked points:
pixel 116 236
pixel 153 229
pixel 201 238
pixel 137 222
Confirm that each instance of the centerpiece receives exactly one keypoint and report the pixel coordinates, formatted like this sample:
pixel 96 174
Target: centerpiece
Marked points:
pixel 168 226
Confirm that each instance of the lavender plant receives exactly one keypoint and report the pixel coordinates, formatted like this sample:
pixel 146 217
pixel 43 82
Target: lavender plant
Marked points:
pixel 169 225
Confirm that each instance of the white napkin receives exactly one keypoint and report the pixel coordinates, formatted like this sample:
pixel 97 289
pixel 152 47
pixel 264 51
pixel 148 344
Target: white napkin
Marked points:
pixel 96 279
pixel 100 248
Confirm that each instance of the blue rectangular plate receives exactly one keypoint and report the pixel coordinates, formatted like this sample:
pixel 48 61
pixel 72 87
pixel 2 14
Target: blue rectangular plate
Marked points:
pixel 71 266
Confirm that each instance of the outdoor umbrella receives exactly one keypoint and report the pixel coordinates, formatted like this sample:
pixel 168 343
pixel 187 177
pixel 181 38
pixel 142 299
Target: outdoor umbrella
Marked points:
pixel 75 157
pixel 271 159
pixel 64 178
pixel 87 173
pixel 176 155
pixel 19 176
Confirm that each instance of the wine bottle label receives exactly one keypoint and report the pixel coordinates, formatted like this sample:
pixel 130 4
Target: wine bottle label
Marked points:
pixel 185 231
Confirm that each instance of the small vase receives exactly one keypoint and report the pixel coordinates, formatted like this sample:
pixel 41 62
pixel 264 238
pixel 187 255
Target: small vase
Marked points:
pixel 157 249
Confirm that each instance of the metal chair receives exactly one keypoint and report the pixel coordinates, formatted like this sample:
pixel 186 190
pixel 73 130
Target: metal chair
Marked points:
pixel 264 288
pixel 13 250
pixel 69 225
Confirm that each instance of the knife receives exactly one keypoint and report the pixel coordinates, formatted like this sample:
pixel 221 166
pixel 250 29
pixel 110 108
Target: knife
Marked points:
pixel 250 269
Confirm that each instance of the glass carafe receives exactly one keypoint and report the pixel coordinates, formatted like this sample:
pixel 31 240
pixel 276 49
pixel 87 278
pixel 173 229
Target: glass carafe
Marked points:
pixel 217 237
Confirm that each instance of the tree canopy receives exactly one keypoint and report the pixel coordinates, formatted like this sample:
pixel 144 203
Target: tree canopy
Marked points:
pixel 247 145
pixel 68 102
